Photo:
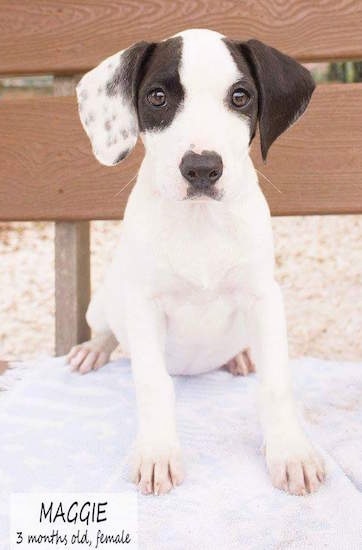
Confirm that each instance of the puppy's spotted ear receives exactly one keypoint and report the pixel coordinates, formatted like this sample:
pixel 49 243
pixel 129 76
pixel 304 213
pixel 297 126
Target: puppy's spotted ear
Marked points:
pixel 284 89
pixel 107 98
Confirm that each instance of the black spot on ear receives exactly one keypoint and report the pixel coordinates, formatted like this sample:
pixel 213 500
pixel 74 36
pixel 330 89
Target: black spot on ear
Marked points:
pixel 126 76
pixel 162 70
pixel 121 156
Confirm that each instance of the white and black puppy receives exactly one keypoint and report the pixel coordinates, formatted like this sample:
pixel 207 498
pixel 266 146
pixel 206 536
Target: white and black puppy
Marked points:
pixel 191 286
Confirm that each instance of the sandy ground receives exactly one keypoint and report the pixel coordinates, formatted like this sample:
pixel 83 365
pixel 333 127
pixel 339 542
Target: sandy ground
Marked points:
pixel 319 265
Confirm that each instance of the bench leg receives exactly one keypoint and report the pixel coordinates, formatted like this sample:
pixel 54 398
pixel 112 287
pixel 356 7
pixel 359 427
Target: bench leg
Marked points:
pixel 72 284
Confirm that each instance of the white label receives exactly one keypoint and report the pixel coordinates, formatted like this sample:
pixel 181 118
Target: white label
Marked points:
pixel 73 520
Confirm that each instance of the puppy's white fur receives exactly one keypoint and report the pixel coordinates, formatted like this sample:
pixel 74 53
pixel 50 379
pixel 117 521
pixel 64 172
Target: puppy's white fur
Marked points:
pixel 192 281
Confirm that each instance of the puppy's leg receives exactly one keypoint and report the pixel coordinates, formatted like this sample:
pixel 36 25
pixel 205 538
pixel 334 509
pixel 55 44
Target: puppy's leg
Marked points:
pixel 241 365
pixel 157 464
pixel 96 352
pixel 293 463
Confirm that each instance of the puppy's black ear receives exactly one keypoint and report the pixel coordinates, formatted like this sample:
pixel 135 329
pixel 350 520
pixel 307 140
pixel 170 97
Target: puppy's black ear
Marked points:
pixel 284 89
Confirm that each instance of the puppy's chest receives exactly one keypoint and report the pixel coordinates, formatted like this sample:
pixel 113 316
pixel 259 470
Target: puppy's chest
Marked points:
pixel 201 314
pixel 203 260
pixel 202 285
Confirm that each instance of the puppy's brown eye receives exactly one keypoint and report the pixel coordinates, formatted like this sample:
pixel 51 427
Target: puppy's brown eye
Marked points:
pixel 157 97
pixel 240 97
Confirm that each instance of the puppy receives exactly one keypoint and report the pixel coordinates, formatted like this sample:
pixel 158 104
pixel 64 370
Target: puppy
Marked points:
pixel 191 286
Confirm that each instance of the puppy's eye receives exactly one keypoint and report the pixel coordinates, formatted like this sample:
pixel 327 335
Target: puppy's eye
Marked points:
pixel 240 98
pixel 157 97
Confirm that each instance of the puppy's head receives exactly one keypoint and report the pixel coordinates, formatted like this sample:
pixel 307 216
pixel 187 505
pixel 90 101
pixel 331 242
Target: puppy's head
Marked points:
pixel 196 100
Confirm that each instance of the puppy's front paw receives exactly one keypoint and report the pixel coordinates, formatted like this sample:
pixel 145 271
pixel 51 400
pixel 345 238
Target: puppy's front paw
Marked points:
pixel 157 468
pixel 93 354
pixel 83 358
pixel 295 467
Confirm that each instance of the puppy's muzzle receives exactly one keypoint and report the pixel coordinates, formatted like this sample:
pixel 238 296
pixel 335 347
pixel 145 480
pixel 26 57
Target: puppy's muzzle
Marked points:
pixel 201 171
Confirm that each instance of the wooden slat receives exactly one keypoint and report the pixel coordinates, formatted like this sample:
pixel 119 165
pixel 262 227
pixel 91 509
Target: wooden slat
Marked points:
pixel 72 284
pixel 47 170
pixel 67 36
pixel 72 270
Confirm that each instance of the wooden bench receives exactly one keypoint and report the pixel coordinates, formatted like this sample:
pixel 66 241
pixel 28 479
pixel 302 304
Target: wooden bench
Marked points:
pixel 47 171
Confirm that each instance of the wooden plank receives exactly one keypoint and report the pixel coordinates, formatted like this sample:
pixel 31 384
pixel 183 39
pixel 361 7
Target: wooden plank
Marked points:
pixel 72 284
pixel 72 269
pixel 67 36
pixel 47 170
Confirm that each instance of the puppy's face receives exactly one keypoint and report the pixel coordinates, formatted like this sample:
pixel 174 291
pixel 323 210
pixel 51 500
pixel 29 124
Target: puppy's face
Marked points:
pixel 197 110
pixel 196 100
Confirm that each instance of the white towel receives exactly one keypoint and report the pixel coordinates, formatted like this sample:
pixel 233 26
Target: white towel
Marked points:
pixel 63 432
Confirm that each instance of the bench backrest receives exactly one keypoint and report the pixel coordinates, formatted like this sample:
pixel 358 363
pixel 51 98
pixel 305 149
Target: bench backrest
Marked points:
pixel 46 167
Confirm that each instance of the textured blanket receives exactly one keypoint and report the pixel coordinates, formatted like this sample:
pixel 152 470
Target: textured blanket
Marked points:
pixel 63 432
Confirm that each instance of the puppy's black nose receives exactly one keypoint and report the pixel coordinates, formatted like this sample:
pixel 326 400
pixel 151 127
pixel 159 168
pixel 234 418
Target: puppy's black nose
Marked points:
pixel 201 171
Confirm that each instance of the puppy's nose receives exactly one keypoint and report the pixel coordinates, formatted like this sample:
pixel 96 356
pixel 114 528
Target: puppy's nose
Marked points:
pixel 201 171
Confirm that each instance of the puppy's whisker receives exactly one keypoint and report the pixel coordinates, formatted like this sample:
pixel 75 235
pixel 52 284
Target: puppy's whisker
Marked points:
pixel 268 180
pixel 124 187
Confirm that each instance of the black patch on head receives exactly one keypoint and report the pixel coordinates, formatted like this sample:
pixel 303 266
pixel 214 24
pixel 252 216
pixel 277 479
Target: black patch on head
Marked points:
pixel 284 89
pixel 161 71
pixel 146 66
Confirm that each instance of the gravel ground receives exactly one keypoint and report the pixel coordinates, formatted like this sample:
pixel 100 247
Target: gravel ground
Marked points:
pixel 319 265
